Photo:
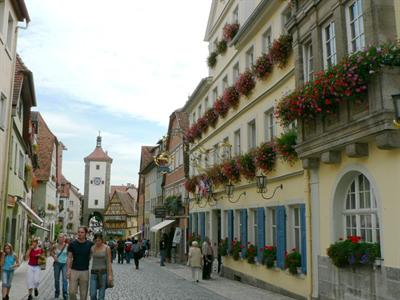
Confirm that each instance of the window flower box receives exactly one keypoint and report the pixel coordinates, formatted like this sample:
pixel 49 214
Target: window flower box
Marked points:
pixel 231 170
pixel 280 50
pixel 263 66
pixel 222 46
pixel 212 117
pixel 229 31
pixel 221 107
pixel 265 156
pixel 245 84
pixel 212 59
pixel 231 97
pixel 247 166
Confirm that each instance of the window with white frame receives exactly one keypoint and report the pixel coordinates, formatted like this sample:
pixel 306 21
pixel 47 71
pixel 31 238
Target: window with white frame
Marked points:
pixel 2 12
pixel 226 150
pixel 308 62
pixel 215 154
pixel 225 82
pixel 329 45
pixel 193 117
pixel 270 125
pixel 250 57
pixel 255 228
pixel 237 142
pixel 235 15
pixel 296 229
pixel 273 226
pixel 236 72
pixel 206 103
pixel 21 166
pixel 360 211
pixel 215 94
pixel 286 15
pixel 355 26
pixel 3 103
pixel 207 159
pixel 199 111
pixel 251 134
pixel 10 32
pixel 266 40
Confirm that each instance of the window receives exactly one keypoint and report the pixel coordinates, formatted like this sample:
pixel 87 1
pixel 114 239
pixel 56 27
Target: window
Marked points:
pixel 255 228
pixel 235 72
pixel 266 41
pixel 194 117
pixel 2 111
pixel 329 45
pixel 2 6
pixel 206 103
pixel 270 125
pixel 360 212
pixel 296 228
pixel 96 202
pixel 71 203
pixel 97 167
pixel 215 45
pixel 355 26
pixel 10 31
pixel 236 141
pixel 308 62
pixel 199 111
pixel 215 94
pixel 226 148
pixel 250 57
pixel 20 109
pixel 251 132
pixel 21 166
pixel 215 154
pixel 273 226
pixel 235 15
pixel 225 83
pixel 285 17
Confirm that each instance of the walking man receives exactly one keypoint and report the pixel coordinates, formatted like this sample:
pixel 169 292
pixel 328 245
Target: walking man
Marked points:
pixel 163 250
pixel 60 253
pixel 78 264
pixel 120 249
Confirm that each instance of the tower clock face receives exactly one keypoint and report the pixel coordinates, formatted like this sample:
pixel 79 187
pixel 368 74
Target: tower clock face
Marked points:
pixel 97 180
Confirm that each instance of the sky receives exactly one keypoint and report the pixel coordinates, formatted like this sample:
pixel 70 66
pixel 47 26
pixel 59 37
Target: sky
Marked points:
pixel 118 67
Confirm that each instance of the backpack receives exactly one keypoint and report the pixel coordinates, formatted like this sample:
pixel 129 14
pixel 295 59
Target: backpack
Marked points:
pixel 128 247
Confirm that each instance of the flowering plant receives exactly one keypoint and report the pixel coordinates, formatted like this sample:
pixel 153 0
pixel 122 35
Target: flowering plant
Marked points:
pixel 269 256
pixel 281 49
pixel 265 157
pixel 221 107
pixel 353 252
pixel 245 83
pixel 229 31
pixel 231 97
pixel 293 261
pixel 247 166
pixel 346 81
pixel 194 237
pixel 285 146
pixel 230 170
pixel 216 176
pixel 251 253
pixel 212 59
pixel 236 248
pixel 190 184
pixel 263 66
pixel 202 123
pixel 221 47
pixel 223 247
pixel 211 116
pixel 192 133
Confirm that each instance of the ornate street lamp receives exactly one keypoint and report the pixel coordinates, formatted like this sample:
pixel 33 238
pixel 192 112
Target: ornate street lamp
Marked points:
pixel 229 189
pixel 261 181
pixel 396 104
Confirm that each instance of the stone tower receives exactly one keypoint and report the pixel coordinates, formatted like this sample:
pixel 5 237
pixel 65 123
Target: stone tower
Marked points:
pixel 97 183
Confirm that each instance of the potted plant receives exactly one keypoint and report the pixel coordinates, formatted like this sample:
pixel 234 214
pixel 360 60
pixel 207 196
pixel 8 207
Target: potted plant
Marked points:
pixel 251 253
pixel 236 249
pixel 212 59
pixel 231 97
pixel 230 170
pixel 293 261
pixel 223 247
pixel 247 166
pixel 265 156
pixel 245 83
pixel 280 50
pixel 229 31
pixel 263 66
pixel 221 107
pixel 285 146
pixel 221 46
pixel 269 256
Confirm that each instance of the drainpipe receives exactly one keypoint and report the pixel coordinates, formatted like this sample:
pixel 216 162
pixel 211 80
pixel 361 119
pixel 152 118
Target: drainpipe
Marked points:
pixel 309 230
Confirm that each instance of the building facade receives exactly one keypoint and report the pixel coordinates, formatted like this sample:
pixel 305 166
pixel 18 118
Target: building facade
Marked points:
pixel 97 183
pixel 69 207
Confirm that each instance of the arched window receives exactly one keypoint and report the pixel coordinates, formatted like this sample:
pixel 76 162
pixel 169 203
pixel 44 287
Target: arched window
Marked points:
pixel 360 212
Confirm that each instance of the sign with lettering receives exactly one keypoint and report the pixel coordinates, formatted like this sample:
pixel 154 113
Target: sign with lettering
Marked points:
pixel 160 212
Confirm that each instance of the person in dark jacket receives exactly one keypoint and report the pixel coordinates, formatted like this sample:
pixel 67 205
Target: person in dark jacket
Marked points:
pixel 120 250
pixel 163 250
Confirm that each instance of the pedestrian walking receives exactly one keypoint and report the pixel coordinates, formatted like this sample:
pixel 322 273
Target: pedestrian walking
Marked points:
pixel 33 275
pixel 60 253
pixel 194 261
pixel 163 250
pixel 101 275
pixel 113 246
pixel 137 252
pixel 120 250
pixel 207 250
pixel 128 250
pixel 8 263
pixel 78 264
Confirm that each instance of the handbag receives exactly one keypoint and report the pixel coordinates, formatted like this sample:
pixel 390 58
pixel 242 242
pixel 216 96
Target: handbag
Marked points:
pixel 58 255
pixel 42 261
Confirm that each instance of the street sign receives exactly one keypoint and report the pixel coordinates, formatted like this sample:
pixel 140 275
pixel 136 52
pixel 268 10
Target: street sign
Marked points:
pixel 160 212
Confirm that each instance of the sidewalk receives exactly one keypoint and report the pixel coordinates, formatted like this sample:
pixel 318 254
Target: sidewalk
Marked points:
pixel 19 290
pixel 227 288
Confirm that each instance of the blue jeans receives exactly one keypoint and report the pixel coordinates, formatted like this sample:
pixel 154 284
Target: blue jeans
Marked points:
pixel 128 257
pixel 7 278
pixel 94 288
pixel 162 257
pixel 58 268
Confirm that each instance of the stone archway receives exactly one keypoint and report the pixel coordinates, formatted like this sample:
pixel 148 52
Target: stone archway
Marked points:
pixel 95 223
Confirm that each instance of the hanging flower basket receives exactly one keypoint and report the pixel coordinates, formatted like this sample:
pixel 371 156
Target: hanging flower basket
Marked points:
pixel 247 166
pixel 229 31
pixel 211 116
pixel 245 84
pixel 221 47
pixel 229 169
pixel 263 66
pixel 216 176
pixel 280 50
pixel 265 157
pixel 285 146
pixel 212 59
pixel 190 184
pixel 231 97
pixel 221 107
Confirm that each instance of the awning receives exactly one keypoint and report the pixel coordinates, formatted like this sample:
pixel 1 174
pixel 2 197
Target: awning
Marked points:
pixel 137 233
pixel 161 225
pixel 40 227
pixel 29 210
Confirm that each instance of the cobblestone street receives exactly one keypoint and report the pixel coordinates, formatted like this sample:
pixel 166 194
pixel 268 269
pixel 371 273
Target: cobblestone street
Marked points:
pixel 154 282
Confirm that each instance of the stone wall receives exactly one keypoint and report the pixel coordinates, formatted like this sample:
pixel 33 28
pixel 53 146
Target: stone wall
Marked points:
pixel 367 283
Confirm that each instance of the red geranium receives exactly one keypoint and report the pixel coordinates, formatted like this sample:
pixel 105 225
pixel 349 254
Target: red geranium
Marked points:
pixel 247 166
pixel 263 66
pixel 231 97
pixel 281 49
pixel 265 156
pixel 211 116
pixel 221 107
pixel 245 84
pixel 229 31
pixel 230 170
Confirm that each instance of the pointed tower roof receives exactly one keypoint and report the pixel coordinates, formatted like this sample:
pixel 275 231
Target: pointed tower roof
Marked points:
pixel 98 153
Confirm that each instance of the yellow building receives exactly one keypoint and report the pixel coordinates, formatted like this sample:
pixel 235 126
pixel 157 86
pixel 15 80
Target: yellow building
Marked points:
pixel 225 131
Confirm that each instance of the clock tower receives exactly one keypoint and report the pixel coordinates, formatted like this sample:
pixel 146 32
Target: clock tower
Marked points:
pixel 97 183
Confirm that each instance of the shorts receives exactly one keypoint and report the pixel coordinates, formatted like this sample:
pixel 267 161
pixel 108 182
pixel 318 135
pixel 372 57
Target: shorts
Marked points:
pixel 7 278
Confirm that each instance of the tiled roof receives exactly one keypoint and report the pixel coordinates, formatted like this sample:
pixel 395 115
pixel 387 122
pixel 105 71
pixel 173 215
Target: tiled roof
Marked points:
pixel 146 156
pixel 114 188
pixel 46 143
pixel 127 202
pixel 183 120
pixel 98 153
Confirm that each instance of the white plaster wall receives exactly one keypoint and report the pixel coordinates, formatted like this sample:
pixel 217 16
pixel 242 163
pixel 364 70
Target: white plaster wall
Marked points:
pixel 97 192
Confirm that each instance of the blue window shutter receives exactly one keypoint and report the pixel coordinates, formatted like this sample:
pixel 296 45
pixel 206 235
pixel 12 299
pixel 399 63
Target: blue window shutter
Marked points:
pixel 281 236
pixel 230 228
pixel 196 224
pixel 260 232
pixel 203 225
pixel 303 245
pixel 190 224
